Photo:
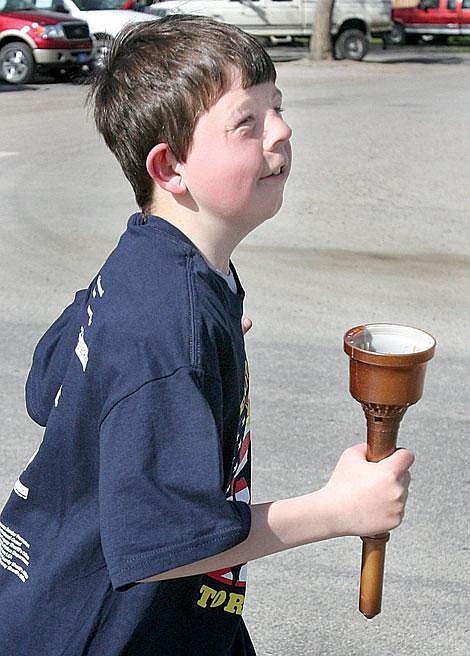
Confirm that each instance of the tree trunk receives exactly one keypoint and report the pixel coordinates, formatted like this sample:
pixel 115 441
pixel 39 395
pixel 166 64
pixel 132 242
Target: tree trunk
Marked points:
pixel 321 43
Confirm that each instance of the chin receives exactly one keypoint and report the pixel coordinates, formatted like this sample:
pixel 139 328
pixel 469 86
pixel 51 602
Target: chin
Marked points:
pixel 275 209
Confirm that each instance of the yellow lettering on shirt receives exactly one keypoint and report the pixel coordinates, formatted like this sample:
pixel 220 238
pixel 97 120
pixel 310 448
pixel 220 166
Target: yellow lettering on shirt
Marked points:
pixel 206 594
pixel 234 603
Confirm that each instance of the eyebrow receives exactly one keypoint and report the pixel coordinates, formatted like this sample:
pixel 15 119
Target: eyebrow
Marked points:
pixel 246 104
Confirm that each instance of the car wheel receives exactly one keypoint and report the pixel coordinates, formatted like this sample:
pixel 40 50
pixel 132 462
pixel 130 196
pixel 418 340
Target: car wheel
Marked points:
pixel 16 63
pixel 397 36
pixel 103 44
pixel 351 44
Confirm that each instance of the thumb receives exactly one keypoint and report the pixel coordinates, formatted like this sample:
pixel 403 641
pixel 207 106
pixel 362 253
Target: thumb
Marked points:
pixel 399 461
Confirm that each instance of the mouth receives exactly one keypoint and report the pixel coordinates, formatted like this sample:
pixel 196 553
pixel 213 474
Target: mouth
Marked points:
pixel 277 173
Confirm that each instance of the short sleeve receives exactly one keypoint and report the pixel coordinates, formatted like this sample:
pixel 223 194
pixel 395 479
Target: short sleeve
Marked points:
pixel 162 502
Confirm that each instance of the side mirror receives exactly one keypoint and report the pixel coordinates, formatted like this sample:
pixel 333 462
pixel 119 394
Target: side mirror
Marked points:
pixel 59 6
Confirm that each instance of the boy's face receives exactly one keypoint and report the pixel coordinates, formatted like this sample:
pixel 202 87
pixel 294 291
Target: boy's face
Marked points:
pixel 240 157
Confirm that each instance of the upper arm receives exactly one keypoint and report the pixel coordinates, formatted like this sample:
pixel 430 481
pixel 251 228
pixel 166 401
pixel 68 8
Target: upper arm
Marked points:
pixel 162 497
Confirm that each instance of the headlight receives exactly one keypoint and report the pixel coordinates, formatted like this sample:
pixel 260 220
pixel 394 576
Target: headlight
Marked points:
pixel 161 13
pixel 50 31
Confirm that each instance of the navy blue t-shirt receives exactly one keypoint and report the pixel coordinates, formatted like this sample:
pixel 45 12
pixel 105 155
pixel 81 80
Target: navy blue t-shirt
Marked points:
pixel 142 385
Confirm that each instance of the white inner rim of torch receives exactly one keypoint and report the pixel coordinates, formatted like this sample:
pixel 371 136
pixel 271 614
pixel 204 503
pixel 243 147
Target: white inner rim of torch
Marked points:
pixel 392 339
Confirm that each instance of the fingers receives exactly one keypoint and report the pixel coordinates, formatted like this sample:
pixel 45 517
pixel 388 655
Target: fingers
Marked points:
pixel 246 324
pixel 405 478
pixel 369 497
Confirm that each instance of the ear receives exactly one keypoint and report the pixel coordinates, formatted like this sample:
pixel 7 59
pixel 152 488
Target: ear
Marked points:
pixel 163 168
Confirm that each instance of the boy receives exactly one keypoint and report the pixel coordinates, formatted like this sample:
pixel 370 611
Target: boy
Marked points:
pixel 127 532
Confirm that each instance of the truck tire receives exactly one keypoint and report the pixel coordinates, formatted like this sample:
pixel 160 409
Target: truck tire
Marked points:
pixel 351 44
pixel 16 63
pixel 397 36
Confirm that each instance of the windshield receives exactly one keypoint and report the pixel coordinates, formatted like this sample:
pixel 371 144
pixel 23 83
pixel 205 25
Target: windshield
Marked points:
pixel 92 5
pixel 16 5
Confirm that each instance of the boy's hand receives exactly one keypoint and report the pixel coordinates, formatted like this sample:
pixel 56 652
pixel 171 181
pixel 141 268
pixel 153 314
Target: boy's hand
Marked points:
pixel 246 324
pixel 368 497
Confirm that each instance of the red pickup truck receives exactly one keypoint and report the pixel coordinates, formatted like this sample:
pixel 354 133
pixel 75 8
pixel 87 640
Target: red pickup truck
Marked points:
pixel 32 39
pixel 434 20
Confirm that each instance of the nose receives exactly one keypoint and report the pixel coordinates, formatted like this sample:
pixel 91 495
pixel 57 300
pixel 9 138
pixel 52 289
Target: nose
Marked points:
pixel 276 131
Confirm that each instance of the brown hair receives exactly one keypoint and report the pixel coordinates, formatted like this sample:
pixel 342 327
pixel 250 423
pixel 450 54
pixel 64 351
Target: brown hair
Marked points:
pixel 159 77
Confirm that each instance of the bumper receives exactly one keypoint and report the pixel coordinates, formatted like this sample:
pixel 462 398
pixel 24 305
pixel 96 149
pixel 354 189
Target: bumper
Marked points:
pixel 61 57
pixel 440 30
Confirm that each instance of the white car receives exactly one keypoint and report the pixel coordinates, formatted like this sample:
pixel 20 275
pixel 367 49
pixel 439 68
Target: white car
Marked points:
pixel 105 18
pixel 277 21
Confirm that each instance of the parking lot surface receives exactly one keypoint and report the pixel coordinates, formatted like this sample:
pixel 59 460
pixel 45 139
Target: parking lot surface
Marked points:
pixel 374 229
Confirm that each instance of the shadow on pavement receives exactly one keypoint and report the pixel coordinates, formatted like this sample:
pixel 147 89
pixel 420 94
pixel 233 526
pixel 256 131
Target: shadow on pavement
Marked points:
pixel 16 87
pixel 41 81
pixel 380 55
pixel 449 61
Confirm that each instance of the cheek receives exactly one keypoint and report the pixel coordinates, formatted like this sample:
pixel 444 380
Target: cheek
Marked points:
pixel 221 178
pixel 223 162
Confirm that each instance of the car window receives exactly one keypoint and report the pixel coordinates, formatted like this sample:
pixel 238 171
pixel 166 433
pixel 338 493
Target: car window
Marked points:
pixel 451 4
pixel 92 5
pixel 466 4
pixel 15 5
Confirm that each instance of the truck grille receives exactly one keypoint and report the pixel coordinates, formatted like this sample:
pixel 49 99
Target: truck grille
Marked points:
pixel 76 30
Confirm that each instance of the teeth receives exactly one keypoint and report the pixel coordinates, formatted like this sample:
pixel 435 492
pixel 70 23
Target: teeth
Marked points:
pixel 276 172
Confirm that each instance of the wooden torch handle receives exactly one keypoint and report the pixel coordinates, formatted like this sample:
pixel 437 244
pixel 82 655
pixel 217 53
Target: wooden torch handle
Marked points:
pixel 372 574
pixel 382 431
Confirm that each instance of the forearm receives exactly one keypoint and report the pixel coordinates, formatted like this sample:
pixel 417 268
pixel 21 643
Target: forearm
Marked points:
pixel 360 498
pixel 275 527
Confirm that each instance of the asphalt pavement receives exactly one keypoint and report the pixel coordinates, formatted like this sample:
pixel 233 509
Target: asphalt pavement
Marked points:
pixel 374 229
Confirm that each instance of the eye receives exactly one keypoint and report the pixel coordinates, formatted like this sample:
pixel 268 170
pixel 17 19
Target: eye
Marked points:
pixel 279 110
pixel 246 120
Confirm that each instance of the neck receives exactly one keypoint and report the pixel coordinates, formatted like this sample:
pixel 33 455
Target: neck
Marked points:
pixel 215 240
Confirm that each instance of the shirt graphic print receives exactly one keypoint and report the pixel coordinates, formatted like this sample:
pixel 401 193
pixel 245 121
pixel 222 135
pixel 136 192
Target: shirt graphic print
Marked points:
pixel 224 590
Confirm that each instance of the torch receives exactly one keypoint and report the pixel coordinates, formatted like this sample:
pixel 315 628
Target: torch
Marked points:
pixel 387 364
